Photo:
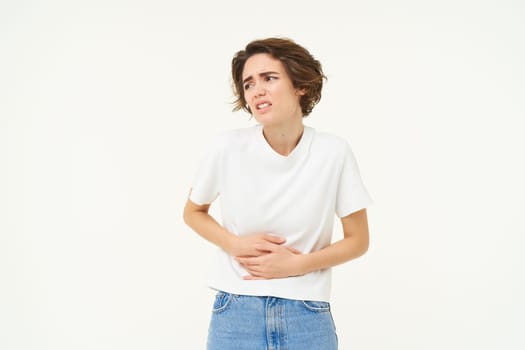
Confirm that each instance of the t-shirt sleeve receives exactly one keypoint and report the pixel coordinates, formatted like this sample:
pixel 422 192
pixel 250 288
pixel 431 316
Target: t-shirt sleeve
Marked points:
pixel 352 194
pixel 206 182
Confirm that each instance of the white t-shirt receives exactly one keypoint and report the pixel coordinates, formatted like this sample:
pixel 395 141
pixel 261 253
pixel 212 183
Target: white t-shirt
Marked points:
pixel 292 196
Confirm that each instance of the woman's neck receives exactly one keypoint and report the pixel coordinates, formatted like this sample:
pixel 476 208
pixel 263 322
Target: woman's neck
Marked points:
pixel 284 139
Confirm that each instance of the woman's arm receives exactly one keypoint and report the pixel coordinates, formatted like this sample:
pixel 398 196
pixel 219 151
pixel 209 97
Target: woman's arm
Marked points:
pixel 279 263
pixel 354 244
pixel 197 217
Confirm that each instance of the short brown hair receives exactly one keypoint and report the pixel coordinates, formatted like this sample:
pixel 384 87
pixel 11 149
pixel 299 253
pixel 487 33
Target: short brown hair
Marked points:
pixel 302 68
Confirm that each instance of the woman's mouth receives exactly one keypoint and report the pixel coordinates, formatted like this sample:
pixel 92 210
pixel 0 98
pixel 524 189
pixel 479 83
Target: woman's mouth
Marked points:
pixel 263 105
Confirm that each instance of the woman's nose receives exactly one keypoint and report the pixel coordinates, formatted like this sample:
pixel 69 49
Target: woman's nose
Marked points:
pixel 260 90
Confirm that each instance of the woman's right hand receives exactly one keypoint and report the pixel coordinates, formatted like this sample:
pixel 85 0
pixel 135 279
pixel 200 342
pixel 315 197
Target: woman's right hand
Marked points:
pixel 247 245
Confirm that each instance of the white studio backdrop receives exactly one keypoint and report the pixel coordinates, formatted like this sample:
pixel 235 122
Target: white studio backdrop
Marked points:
pixel 106 107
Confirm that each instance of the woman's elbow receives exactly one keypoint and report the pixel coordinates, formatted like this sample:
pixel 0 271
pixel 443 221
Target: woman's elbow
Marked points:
pixel 363 244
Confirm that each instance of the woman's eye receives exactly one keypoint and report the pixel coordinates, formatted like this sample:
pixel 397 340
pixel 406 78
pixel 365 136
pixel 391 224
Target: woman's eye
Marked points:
pixel 269 77
pixel 247 86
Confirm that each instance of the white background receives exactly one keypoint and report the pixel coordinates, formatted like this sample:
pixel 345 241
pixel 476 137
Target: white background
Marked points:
pixel 105 108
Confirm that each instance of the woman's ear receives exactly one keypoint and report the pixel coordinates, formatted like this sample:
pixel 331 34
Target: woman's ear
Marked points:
pixel 300 92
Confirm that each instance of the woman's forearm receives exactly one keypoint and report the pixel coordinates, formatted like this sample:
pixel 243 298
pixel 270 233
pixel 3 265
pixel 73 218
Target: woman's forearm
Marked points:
pixel 335 254
pixel 207 227
pixel 197 217
pixel 353 245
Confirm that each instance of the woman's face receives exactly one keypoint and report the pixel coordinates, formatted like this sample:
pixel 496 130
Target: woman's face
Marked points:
pixel 269 91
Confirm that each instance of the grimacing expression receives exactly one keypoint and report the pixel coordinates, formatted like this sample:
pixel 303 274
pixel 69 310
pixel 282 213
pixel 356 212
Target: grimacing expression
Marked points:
pixel 269 91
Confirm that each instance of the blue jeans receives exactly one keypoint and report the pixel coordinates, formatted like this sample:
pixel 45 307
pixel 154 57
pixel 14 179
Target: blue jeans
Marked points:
pixel 241 322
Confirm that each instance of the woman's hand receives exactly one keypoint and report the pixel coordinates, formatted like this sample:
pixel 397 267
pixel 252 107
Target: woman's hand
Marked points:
pixel 272 261
pixel 246 245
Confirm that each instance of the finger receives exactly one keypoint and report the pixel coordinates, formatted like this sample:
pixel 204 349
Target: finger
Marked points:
pixel 293 250
pixel 241 261
pixel 274 239
pixel 257 253
pixel 254 270
pixel 247 261
pixel 265 246
pixel 250 277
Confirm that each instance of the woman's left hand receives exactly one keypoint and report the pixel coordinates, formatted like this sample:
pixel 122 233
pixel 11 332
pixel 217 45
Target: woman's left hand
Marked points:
pixel 278 262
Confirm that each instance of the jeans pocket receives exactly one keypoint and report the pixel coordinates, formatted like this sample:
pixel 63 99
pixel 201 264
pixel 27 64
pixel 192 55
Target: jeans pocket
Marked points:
pixel 317 306
pixel 222 300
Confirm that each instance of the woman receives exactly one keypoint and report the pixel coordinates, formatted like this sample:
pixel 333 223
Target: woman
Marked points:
pixel 279 183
